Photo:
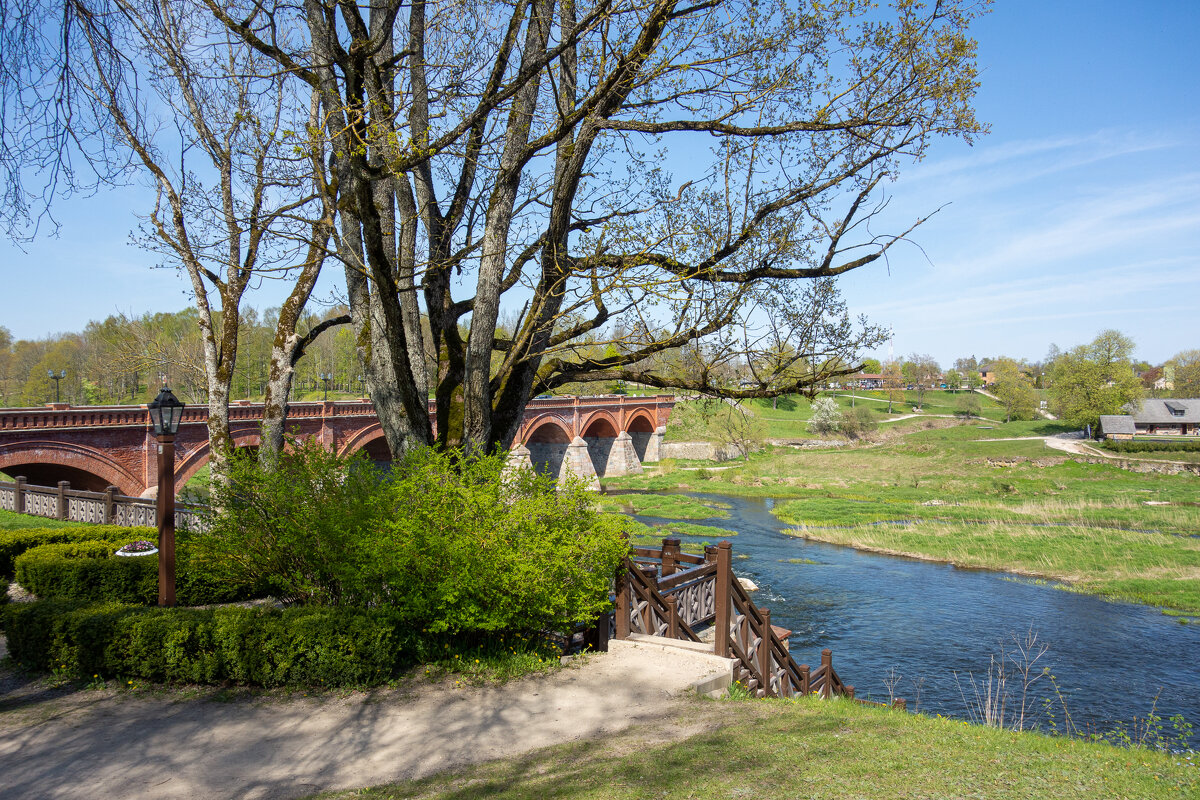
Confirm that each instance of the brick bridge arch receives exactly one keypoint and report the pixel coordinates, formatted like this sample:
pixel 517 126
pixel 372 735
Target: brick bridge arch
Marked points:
pixel 94 447
pixel 46 462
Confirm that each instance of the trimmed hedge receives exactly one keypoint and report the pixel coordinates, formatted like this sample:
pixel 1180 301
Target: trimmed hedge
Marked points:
pixel 302 646
pixel 15 542
pixel 1150 446
pixel 89 572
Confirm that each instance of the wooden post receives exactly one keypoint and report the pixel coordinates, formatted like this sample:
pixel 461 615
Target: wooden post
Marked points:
pixel 672 617
pixel 19 497
pixel 724 600
pixel 900 703
pixel 166 521
pixel 710 553
pixel 805 672
pixel 765 656
pixel 621 590
pixel 670 553
pixel 110 505
pixel 63 488
pixel 827 666
pixel 850 692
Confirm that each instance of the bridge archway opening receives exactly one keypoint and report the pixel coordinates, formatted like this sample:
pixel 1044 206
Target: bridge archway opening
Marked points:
pixel 378 452
pixel 547 444
pixel 50 474
pixel 640 428
pixel 600 435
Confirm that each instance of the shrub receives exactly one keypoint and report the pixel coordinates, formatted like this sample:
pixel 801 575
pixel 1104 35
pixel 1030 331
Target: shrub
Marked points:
pixel 88 571
pixel 968 405
pixel 452 543
pixel 861 422
pixel 15 542
pixel 1150 446
pixel 3 591
pixel 826 416
pixel 255 646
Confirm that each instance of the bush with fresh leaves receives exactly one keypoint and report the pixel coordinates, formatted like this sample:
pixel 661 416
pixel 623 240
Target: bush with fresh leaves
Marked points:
pixel 254 646
pixel 859 423
pixel 479 547
pixel 89 571
pixel 451 543
pixel 15 542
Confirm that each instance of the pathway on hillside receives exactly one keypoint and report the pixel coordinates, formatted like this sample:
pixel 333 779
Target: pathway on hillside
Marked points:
pixel 172 744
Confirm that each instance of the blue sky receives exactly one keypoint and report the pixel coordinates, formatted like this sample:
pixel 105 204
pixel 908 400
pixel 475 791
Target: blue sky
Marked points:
pixel 1080 211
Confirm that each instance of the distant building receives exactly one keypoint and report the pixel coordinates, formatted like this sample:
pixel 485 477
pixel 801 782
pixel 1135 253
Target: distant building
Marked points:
pixel 1154 417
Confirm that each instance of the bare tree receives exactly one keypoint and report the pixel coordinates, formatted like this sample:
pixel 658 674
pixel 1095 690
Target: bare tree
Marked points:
pixel 159 90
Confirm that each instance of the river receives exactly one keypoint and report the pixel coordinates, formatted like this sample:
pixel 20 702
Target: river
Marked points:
pixel 928 621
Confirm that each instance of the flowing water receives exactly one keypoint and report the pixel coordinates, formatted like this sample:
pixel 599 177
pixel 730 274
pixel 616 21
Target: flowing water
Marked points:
pixel 928 621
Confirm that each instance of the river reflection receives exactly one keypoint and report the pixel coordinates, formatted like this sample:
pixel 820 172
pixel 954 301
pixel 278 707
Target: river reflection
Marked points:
pixel 927 621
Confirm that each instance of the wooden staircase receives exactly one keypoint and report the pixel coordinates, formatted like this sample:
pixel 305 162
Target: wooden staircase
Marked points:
pixel 665 592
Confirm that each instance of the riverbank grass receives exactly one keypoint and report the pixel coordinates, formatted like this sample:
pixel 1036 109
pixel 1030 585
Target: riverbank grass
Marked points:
pixel 814 748
pixel 1152 568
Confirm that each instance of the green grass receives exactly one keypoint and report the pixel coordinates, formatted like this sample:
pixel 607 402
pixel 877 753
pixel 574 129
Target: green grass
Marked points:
pixel 10 521
pixel 667 506
pixel 811 748
pixel 1156 569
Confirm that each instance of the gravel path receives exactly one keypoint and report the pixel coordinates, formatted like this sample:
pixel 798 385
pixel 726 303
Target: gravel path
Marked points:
pixel 189 744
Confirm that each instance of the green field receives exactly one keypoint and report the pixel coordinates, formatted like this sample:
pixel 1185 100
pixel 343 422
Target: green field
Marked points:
pixel 811 748
pixel 703 420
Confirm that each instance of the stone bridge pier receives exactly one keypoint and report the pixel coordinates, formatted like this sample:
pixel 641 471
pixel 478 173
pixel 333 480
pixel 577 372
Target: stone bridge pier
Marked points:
pixel 593 438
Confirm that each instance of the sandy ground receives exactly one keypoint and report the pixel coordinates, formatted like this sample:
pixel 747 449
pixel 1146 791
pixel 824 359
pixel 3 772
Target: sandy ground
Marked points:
pixel 181 744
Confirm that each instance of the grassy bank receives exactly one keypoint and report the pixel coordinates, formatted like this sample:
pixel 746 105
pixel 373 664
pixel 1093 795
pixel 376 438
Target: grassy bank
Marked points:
pixel 10 521
pixel 1157 569
pixel 810 748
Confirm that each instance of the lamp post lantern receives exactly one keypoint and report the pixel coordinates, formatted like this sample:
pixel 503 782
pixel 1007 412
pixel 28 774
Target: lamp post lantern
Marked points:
pixel 56 377
pixel 165 413
pixel 325 379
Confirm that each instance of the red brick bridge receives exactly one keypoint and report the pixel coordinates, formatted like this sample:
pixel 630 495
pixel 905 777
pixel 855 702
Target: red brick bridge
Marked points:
pixel 94 447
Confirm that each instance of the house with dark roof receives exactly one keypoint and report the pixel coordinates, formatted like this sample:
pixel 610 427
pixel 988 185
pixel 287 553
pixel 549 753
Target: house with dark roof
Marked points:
pixel 1154 417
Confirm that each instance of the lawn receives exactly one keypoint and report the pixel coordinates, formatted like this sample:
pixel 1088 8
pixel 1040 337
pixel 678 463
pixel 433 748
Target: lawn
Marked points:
pixel 813 748
pixel 11 521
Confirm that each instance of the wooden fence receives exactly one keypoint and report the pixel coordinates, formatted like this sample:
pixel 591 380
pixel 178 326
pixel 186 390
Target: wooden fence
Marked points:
pixel 666 592
pixel 102 508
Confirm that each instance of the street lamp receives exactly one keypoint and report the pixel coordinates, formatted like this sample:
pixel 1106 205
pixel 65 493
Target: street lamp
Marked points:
pixel 362 385
pixel 325 379
pixel 165 413
pixel 56 378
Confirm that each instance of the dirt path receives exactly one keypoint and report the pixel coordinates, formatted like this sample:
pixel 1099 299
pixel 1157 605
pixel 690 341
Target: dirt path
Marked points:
pixel 173 744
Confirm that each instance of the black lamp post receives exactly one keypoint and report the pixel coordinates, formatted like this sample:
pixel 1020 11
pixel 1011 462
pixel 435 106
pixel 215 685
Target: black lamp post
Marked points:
pixel 165 413
pixel 56 378
pixel 325 379
pixel 362 385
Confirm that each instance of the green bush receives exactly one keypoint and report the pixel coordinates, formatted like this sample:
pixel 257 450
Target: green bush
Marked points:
pixel 453 544
pixel 1150 446
pixel 15 542
pixel 253 646
pixel 88 571
pixel 3 591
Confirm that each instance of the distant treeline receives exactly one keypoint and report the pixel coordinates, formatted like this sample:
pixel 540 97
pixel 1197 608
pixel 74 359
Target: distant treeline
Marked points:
pixel 120 360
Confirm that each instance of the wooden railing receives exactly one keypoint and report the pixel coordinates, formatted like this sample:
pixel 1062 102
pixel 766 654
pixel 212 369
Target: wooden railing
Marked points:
pixel 101 508
pixel 665 592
